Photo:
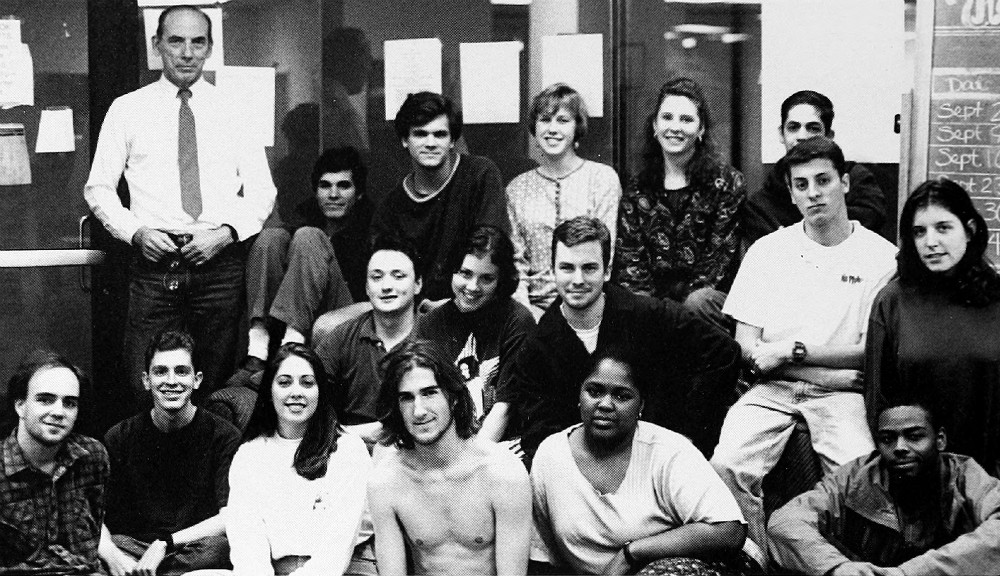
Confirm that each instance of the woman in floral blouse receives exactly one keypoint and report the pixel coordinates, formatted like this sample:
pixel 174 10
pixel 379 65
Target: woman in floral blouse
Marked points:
pixel 678 219
pixel 563 186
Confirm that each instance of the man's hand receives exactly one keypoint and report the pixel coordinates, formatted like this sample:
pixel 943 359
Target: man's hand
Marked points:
pixel 864 569
pixel 119 563
pixel 155 244
pixel 205 244
pixel 617 566
pixel 150 561
pixel 514 445
pixel 767 356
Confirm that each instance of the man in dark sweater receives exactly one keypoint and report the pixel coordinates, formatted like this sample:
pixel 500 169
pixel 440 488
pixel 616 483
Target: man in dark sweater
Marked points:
pixel 689 364
pixel 805 114
pixel 169 474
pixel 445 196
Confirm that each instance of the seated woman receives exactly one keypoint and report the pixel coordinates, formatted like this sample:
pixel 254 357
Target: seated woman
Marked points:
pixel 934 329
pixel 678 224
pixel 482 327
pixel 297 501
pixel 614 494
pixel 561 187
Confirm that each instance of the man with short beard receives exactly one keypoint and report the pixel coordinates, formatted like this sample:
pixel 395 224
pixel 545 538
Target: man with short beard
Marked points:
pixel 51 479
pixel 170 473
pixel 907 508
pixel 450 502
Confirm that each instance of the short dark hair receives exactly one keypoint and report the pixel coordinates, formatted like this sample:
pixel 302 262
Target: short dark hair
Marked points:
pixel 398 363
pixel 579 230
pixel 557 96
pixel 339 160
pixel 169 340
pixel 822 104
pixel 620 355
pixel 423 107
pixel 396 243
pixel 171 9
pixel 974 282
pixel 32 363
pixel 322 430
pixel 911 398
pixel 490 241
pixel 815 148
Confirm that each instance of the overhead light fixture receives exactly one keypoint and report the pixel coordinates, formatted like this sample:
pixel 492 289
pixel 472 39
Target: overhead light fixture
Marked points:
pixel 731 38
pixel 705 29
pixel 689 43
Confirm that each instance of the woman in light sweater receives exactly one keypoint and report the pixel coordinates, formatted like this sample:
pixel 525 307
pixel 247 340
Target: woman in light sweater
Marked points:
pixel 297 501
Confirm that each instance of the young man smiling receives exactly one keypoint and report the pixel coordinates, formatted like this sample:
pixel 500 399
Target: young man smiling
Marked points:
pixel 801 301
pixel 805 114
pixel 445 195
pixel 170 468
pixel 352 351
pixel 692 364
pixel 451 502
pixel 909 508
pixel 52 480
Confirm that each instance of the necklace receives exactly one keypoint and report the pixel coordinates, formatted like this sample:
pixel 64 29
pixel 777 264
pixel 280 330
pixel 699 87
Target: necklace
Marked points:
pixel 557 180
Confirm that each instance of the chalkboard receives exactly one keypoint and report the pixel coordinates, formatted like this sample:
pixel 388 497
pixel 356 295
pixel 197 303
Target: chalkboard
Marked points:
pixel 964 138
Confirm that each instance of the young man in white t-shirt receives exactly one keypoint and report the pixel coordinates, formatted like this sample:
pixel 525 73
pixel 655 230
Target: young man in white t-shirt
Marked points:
pixel 801 301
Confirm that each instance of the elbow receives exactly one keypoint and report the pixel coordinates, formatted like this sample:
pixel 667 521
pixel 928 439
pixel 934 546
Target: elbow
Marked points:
pixel 730 536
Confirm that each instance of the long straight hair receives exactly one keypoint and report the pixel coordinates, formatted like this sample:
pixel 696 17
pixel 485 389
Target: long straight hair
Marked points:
pixel 322 430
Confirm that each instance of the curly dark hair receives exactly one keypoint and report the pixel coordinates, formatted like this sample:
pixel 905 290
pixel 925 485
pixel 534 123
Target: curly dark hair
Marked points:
pixel 398 363
pixel 323 429
pixel 705 164
pixel 974 282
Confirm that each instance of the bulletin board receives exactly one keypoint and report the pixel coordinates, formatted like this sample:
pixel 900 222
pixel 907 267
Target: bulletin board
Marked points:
pixel 958 103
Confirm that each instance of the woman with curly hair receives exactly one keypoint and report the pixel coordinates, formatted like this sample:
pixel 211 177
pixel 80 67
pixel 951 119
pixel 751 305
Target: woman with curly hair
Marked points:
pixel 934 329
pixel 678 219
pixel 297 485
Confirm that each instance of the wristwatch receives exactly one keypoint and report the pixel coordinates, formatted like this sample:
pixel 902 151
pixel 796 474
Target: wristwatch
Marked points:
pixel 169 539
pixel 799 352
pixel 632 564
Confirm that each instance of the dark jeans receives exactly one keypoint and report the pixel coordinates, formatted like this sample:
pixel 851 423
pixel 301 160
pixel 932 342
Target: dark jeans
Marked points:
pixel 205 300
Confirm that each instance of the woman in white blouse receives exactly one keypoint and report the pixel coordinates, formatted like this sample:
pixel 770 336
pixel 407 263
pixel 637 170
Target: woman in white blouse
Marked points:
pixel 563 186
pixel 297 499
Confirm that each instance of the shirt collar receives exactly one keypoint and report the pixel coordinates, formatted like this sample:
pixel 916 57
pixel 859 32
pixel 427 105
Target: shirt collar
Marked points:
pixel 15 461
pixel 171 89
pixel 366 330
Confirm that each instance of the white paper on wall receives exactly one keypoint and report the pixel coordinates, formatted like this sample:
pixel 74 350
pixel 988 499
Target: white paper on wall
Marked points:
pixel 849 50
pixel 150 17
pixel 17 76
pixel 491 82
pixel 411 66
pixel 10 32
pixel 578 61
pixel 250 90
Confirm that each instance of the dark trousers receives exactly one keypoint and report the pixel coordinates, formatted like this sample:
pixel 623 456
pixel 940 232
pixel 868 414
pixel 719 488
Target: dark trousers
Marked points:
pixel 211 552
pixel 205 300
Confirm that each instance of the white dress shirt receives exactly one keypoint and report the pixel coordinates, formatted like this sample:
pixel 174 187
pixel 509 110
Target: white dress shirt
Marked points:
pixel 139 139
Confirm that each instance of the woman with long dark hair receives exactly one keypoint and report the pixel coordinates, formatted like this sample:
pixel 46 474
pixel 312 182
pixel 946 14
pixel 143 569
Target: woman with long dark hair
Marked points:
pixel 935 329
pixel 678 219
pixel 297 501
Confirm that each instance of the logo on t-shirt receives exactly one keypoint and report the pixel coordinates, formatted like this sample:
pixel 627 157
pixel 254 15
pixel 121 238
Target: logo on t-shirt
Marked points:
pixel 851 279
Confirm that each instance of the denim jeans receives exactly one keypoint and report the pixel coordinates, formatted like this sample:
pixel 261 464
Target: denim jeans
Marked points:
pixel 205 300
pixel 758 426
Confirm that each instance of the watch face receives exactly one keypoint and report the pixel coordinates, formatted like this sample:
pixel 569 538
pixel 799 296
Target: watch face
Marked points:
pixel 799 352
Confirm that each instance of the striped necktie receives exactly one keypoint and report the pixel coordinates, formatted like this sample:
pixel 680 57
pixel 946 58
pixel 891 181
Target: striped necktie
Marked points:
pixel 187 157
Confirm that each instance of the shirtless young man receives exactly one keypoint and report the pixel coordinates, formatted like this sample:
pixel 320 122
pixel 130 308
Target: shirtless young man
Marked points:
pixel 458 504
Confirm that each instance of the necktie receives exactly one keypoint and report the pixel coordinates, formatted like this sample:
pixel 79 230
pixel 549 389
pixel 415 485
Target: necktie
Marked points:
pixel 187 157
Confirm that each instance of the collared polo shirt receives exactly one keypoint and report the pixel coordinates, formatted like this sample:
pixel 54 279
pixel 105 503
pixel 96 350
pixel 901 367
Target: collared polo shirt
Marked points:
pixel 51 524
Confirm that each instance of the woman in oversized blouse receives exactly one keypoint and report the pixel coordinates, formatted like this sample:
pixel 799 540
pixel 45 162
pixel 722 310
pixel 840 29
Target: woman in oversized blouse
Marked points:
pixel 678 220
pixel 935 329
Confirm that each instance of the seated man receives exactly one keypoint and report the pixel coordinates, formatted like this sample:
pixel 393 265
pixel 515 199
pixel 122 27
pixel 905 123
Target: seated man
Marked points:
pixel 691 364
pixel 801 300
pixel 169 473
pixel 52 480
pixel 446 194
pixel 450 502
pixel 482 327
pixel 352 351
pixel 295 275
pixel 909 508
pixel 805 114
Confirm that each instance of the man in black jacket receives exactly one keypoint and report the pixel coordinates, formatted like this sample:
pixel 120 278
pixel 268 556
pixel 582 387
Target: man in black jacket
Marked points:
pixel 690 364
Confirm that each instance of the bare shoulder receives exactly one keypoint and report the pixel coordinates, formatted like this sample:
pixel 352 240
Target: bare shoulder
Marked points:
pixel 386 474
pixel 500 464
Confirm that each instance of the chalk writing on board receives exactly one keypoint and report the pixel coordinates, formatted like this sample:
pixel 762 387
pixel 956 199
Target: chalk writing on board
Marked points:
pixel 965 138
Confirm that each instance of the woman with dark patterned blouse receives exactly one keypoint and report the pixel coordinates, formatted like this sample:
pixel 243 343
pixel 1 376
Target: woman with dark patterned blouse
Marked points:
pixel 678 219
